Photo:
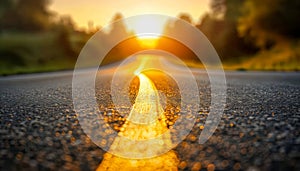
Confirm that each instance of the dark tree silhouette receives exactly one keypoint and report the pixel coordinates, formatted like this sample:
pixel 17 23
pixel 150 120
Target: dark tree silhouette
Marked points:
pixel 186 17
pixel 270 20
pixel 119 28
pixel 25 15
pixel 220 27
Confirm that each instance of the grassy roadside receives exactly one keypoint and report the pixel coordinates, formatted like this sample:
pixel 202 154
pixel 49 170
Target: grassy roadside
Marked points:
pixel 38 52
pixel 283 57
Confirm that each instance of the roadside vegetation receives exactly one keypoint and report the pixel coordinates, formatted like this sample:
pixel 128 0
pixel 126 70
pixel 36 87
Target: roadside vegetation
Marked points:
pixel 248 35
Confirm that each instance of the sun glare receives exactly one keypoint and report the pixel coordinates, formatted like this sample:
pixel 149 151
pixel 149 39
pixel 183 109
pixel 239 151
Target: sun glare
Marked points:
pixel 148 42
pixel 147 27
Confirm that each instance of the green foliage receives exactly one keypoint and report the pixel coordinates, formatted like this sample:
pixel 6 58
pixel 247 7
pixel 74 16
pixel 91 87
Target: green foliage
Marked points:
pixel 24 15
pixel 63 39
pixel 31 41
pixel 268 22
pixel 255 34
pixel 36 52
pixel 282 58
pixel 220 27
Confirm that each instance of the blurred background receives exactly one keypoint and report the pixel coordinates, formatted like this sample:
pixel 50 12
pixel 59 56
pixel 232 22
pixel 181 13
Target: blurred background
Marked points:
pixel 47 35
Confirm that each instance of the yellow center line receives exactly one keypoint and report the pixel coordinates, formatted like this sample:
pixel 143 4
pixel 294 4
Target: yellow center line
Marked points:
pixel 145 121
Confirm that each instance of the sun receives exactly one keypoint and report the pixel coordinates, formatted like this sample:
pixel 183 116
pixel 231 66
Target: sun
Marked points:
pixel 148 29
pixel 148 41
pixel 147 26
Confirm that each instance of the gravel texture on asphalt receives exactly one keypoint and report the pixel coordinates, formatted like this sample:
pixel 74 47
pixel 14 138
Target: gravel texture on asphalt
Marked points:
pixel 259 130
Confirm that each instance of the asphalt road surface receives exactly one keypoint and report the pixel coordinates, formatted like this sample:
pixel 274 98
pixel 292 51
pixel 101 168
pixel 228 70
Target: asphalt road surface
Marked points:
pixel 259 130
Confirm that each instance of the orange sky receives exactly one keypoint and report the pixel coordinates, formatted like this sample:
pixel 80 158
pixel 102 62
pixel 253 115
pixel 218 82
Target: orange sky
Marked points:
pixel 101 11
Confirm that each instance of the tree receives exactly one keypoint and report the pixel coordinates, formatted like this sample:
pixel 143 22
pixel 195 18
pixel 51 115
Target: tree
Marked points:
pixel 117 31
pixel 270 21
pixel 220 27
pixel 119 28
pixel 4 5
pixel 218 8
pixel 25 15
pixel 176 24
pixel 64 29
pixel 186 17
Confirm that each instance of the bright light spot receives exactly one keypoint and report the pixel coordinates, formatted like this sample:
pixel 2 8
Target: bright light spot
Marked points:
pixel 147 26
pixel 148 29
pixel 148 41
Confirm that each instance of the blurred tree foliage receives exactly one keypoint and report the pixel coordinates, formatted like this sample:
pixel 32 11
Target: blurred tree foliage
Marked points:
pixel 24 15
pixel 260 34
pixel 244 23
pixel 64 29
pixel 33 38
pixel 119 28
pixel 120 51
pixel 220 27
pixel 186 17
pixel 268 22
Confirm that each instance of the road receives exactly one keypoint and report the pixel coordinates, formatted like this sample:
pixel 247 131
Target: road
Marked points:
pixel 259 130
